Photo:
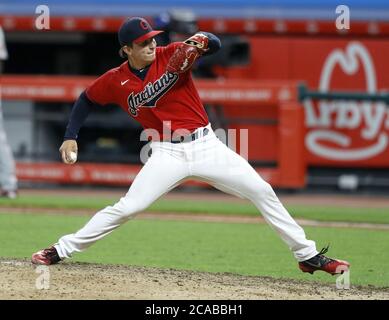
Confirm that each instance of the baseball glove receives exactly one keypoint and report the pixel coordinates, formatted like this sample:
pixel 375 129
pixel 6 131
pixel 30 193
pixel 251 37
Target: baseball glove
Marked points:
pixel 187 52
pixel 200 41
pixel 182 59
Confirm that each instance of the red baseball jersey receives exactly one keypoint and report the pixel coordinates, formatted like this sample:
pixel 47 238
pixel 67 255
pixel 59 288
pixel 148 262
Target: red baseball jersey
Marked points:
pixel 162 98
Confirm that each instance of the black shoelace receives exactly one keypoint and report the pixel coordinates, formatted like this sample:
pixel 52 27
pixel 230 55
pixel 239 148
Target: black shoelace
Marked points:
pixel 322 259
pixel 324 250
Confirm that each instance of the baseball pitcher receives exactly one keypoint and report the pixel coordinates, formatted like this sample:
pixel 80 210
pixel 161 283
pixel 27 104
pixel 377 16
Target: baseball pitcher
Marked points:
pixel 154 86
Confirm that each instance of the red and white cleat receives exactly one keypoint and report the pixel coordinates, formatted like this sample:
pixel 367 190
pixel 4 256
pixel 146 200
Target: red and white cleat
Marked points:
pixel 46 256
pixel 323 263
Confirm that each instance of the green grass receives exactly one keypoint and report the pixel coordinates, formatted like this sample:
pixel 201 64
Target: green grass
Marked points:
pixel 213 247
pixel 66 202
pixel 372 215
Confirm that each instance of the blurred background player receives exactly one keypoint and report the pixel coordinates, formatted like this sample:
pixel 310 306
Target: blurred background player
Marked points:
pixel 8 181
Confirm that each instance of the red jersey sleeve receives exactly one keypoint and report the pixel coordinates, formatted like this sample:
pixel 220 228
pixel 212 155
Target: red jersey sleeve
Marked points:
pixel 99 91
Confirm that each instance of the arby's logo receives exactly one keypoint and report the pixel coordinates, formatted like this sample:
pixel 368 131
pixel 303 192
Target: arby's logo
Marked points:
pixel 330 123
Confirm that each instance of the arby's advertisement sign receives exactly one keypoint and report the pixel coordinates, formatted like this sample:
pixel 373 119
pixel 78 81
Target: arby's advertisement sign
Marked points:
pixel 348 133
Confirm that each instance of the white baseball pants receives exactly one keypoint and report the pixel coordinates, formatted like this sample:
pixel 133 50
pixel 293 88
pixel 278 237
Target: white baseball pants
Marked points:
pixel 206 159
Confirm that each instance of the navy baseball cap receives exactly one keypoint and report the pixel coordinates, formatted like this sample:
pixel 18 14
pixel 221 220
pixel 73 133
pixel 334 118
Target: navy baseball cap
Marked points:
pixel 135 30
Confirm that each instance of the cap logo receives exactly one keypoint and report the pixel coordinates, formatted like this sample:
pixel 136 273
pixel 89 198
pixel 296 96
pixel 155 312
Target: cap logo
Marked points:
pixel 143 25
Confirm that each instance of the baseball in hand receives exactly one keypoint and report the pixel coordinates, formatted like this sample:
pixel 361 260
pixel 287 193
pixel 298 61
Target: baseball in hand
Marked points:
pixel 73 156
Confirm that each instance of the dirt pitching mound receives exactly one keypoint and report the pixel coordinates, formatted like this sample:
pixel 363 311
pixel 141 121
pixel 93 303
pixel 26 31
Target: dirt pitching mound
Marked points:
pixel 19 279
